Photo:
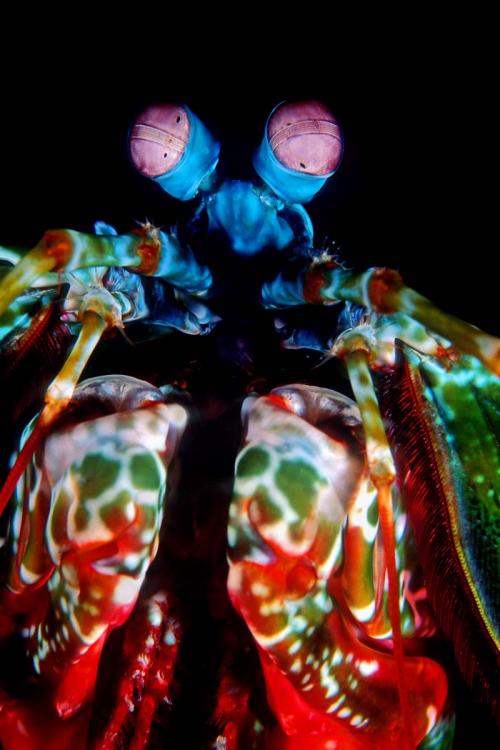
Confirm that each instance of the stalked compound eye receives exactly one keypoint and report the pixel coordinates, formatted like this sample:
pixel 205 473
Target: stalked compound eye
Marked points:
pixel 171 145
pixel 305 136
pixel 159 138
pixel 301 149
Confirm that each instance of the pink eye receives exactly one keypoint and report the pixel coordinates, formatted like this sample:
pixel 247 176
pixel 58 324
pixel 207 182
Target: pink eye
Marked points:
pixel 158 139
pixel 305 137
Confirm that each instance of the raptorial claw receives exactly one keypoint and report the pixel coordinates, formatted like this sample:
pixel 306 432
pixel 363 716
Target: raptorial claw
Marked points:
pixel 299 480
pixel 146 251
pixel 85 542
pixel 381 290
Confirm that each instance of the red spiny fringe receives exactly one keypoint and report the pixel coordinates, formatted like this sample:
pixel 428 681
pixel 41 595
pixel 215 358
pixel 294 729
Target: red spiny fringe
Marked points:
pixel 420 452
pixel 46 336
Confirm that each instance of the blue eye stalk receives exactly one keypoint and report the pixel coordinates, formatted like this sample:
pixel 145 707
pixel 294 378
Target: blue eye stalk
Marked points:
pixel 197 165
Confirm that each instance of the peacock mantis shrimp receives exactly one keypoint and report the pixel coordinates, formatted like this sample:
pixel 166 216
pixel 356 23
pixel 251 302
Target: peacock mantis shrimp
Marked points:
pixel 353 525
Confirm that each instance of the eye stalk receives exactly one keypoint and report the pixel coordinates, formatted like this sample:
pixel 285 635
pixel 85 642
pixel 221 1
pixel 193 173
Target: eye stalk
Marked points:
pixel 301 149
pixel 169 144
